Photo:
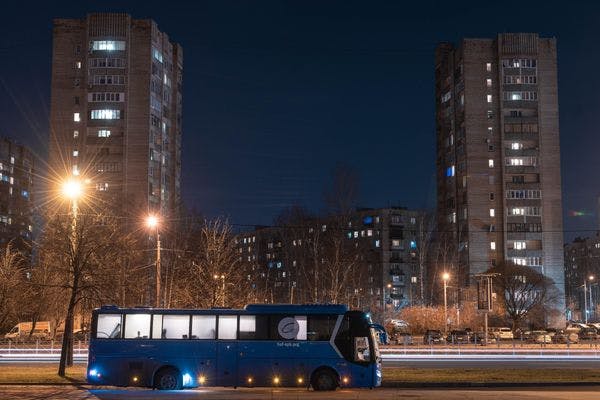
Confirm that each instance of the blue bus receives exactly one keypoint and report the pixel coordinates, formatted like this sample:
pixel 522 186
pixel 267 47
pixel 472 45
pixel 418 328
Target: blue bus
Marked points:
pixel 323 346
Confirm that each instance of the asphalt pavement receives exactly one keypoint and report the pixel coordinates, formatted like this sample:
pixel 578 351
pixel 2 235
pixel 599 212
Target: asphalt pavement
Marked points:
pixel 77 393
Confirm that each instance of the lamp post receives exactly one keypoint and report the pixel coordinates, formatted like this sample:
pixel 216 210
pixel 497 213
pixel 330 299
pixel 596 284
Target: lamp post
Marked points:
pixel 152 221
pixel 383 302
pixel 446 277
pixel 585 303
pixel 222 277
pixel 591 305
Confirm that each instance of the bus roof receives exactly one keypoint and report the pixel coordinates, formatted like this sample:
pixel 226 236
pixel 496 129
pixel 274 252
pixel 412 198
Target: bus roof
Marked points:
pixel 249 309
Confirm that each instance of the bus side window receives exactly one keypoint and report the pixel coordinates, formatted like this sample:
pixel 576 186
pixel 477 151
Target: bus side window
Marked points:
pixel 320 327
pixel 287 327
pixel 204 326
pixel 109 326
pixel 157 329
pixel 137 326
pixel 227 326
pixel 175 327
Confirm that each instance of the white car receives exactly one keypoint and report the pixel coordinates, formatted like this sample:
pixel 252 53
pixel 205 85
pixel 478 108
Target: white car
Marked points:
pixel 503 334
pixel 539 337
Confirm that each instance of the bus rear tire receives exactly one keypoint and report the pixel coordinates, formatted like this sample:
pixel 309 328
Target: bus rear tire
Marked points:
pixel 167 379
pixel 324 379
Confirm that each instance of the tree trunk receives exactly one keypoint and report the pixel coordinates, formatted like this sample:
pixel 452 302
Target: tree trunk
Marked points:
pixel 66 354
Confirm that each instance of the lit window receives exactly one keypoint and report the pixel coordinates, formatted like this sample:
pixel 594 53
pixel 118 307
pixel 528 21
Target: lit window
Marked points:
pixel 105 114
pixel 75 153
pixel 488 67
pixel 75 134
pixel 108 45
pixel 516 146
pixel 395 243
pixel 75 170
pixel 489 98
pixel 492 212
pixel 520 245
pixel 78 64
pixel 76 117
pixel 12 160
pixel 450 171
pixel 491 163
pixel 103 133
pixel 377 243
pixel 12 180
pixel 490 130
pixel 493 245
pixel 488 82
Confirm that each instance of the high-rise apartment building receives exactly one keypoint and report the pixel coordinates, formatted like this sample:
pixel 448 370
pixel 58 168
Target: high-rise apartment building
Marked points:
pixel 498 161
pixel 16 202
pixel 115 111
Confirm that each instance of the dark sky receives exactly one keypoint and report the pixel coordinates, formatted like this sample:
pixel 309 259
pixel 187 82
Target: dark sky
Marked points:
pixel 277 93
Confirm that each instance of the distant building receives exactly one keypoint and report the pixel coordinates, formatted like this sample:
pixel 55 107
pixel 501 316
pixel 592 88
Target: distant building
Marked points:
pixel 383 240
pixel 16 188
pixel 582 262
pixel 115 110
pixel 498 154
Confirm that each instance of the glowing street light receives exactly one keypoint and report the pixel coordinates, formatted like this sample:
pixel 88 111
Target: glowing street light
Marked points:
pixel 152 221
pixel 72 189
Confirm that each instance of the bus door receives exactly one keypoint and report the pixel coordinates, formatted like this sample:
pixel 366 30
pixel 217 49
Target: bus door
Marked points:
pixel 227 351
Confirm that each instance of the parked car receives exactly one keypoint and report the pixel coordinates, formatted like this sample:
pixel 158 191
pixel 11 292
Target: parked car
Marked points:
pixel 479 338
pixel 564 336
pixel 541 337
pixel 433 336
pixel 402 338
pixel 588 334
pixel 503 333
pixel 458 337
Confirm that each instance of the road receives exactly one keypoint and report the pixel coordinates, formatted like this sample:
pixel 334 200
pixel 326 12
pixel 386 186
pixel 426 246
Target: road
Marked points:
pixel 78 393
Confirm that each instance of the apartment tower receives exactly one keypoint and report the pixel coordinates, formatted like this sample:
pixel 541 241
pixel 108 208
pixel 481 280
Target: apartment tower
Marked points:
pixel 498 161
pixel 115 111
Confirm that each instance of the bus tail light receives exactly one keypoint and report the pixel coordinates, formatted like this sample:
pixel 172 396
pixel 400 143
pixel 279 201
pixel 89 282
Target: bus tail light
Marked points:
pixel 345 380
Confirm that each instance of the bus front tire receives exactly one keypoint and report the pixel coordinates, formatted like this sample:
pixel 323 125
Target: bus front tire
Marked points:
pixel 324 380
pixel 167 379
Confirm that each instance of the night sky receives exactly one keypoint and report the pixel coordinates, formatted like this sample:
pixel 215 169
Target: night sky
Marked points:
pixel 276 94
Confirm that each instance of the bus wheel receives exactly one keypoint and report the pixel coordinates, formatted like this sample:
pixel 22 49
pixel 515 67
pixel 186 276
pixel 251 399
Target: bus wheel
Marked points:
pixel 324 379
pixel 167 379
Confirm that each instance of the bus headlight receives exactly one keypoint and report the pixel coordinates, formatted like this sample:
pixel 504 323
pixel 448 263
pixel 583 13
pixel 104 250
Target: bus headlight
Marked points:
pixel 202 379
pixel 186 380
pixel 93 373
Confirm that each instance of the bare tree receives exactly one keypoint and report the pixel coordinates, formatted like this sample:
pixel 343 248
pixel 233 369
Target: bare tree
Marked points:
pixel 425 226
pixel 215 275
pixel 12 286
pixel 522 290
pixel 82 254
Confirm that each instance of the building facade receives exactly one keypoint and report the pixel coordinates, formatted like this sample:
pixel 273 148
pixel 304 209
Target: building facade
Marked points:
pixel 378 247
pixel 498 154
pixel 116 110
pixel 16 188
pixel 582 264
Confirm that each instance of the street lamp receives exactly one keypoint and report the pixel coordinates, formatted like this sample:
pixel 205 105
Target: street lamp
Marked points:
pixel 446 277
pixel 585 312
pixel 152 222
pixel 383 303
pixel 222 277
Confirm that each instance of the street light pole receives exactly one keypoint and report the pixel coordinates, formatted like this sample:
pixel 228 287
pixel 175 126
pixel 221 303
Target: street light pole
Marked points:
pixel 389 286
pixel 591 278
pixel 152 222
pixel 445 277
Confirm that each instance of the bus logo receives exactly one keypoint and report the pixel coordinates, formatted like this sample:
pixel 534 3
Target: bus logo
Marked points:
pixel 288 328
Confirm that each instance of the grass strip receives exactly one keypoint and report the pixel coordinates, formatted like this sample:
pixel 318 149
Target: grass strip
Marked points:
pixel 40 374
pixel 47 374
pixel 488 375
